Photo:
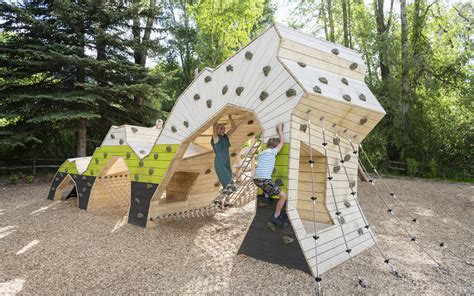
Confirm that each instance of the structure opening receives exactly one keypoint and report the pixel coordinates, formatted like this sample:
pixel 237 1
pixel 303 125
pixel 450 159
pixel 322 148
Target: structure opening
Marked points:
pixel 111 190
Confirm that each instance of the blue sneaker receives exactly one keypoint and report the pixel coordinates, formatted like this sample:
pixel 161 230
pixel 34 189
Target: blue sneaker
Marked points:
pixel 280 221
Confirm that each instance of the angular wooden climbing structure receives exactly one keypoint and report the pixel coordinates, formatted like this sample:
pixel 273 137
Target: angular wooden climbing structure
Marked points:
pixel 281 76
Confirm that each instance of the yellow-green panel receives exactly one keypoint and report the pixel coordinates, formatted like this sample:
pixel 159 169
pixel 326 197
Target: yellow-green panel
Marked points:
pixel 68 167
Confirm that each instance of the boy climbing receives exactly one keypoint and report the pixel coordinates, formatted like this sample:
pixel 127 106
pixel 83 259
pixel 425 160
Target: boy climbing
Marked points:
pixel 220 144
pixel 263 175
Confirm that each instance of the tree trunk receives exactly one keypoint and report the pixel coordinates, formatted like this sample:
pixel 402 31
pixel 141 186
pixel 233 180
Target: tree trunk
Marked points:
pixel 332 37
pixel 345 23
pixel 147 34
pixel 382 39
pixel 349 21
pixel 81 140
pixel 325 20
pixel 405 62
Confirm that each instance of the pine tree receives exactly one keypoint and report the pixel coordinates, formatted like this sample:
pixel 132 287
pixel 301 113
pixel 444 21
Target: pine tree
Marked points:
pixel 67 65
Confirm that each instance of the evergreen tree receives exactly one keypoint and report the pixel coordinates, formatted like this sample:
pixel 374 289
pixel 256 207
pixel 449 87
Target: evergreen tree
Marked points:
pixel 67 65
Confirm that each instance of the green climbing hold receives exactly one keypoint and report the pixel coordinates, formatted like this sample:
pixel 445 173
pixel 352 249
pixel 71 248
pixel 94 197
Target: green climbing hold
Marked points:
pixel 207 78
pixel 128 155
pixel 136 177
pixel 288 240
pixel 155 156
pixel 149 186
pixel 271 226
pixel 266 70
pixel 239 90
pixel 97 161
pixel 151 171
pixel 360 231
pixel 197 97
pixel 336 169
pixel 168 149
pixel 303 127
pixel 344 80
pixel 229 68
pixel 291 92
pixel 317 89
pixel 347 97
pixel 347 204
pixel 225 89
pixel 105 154
pixel 352 184
pixel 347 157
pixel 209 103
pixel 248 55
pixel 336 141
pixel 342 220
pixel 263 95
pixel 323 80
pixel 141 163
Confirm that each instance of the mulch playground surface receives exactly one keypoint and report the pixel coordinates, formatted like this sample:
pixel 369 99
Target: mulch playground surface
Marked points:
pixel 51 248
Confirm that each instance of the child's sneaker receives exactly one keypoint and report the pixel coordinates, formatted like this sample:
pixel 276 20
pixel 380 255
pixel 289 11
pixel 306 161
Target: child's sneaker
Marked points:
pixel 280 221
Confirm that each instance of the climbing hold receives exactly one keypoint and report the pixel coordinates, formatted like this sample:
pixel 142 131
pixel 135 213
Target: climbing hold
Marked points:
pixel 137 200
pixel 174 129
pixel 266 70
pixel 53 188
pixel 250 134
pixel 217 184
pixel 363 120
pixel 347 204
pixel 303 127
pixel 121 141
pixel 239 90
pixel 105 154
pixel 347 97
pixel 141 163
pixel 248 55
pixel 353 66
pixel 168 148
pixel 128 155
pixel 360 231
pixel 233 154
pixel 80 195
pixel 279 182
pixel 263 95
pixel 323 80
pixel 185 123
pixel 97 161
pixel 134 129
pixel 362 97
pixel 209 103
pixel 67 170
pixel 112 136
pixel 208 171
pixel 347 157
pixel 149 186
pixel 352 184
pixel 155 156
pixel 142 151
pixel 317 89
pixel 250 122
pixel 61 175
pixel 335 51
pixel 136 177
pixel 271 226
pixel 207 78
pixel 336 169
pixel 92 172
pixel 197 97
pixel 291 92
pixel 57 179
pixel 344 80
pixel 225 89
pixel 342 220
pixel 229 68
pixel 336 141
pixel 302 64
pixel 334 125
pixel 140 215
pixel 84 189
pixel 288 240
pixel 151 171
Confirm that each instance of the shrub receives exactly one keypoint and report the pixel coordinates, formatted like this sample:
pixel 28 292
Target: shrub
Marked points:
pixel 434 168
pixel 29 179
pixel 13 179
pixel 412 167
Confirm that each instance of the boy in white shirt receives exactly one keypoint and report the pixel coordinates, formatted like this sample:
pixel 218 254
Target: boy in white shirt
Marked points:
pixel 263 175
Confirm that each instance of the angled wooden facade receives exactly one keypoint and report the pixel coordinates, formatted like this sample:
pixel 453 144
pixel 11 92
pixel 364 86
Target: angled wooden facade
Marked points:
pixel 281 76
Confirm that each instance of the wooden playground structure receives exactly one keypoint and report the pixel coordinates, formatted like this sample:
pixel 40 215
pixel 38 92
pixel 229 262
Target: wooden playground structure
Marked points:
pixel 314 87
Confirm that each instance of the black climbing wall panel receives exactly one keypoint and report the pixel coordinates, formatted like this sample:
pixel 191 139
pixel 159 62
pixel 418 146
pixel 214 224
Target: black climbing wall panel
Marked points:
pixel 263 243
pixel 83 187
pixel 141 194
